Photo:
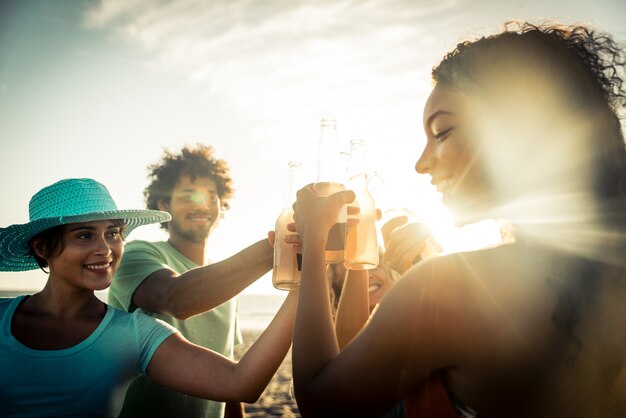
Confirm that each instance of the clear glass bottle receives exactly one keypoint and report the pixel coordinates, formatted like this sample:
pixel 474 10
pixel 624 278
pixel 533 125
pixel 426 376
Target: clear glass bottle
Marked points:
pixel 390 203
pixel 331 178
pixel 287 263
pixel 361 251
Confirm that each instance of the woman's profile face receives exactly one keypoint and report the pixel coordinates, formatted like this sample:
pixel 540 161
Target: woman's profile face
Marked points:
pixel 451 154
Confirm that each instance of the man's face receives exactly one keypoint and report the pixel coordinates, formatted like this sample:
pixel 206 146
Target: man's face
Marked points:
pixel 195 208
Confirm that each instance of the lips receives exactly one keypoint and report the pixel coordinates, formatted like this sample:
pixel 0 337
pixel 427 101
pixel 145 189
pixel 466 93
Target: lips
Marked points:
pixel 373 287
pixel 200 217
pixel 375 284
pixel 444 185
pixel 98 267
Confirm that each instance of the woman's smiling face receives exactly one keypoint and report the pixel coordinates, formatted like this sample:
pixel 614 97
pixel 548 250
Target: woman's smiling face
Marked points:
pixel 450 155
pixel 90 254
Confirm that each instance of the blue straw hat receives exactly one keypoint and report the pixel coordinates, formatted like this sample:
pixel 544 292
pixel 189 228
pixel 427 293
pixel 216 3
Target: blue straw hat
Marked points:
pixel 64 202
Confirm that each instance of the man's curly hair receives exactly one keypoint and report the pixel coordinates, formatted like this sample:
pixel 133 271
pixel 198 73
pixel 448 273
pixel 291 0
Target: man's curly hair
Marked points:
pixel 194 162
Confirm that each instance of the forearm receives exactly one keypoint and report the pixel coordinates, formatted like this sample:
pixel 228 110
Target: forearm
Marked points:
pixel 202 289
pixel 259 364
pixel 353 310
pixel 315 343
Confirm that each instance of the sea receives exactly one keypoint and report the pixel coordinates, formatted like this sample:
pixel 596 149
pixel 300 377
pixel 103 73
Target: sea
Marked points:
pixel 255 310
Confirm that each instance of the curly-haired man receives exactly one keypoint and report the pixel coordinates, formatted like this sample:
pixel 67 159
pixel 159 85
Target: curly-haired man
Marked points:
pixel 171 280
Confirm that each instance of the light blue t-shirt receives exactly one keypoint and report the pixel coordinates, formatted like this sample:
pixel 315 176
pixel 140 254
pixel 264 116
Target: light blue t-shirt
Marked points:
pixel 86 380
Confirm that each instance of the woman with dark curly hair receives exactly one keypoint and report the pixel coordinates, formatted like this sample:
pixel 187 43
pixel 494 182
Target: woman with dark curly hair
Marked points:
pixel 522 126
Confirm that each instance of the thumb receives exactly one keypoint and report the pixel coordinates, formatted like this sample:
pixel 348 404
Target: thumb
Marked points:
pixel 271 237
pixel 343 197
pixel 391 226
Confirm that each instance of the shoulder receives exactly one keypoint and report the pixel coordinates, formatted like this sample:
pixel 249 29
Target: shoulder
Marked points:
pixel 139 321
pixel 140 255
pixel 4 302
pixel 463 274
pixel 453 301
pixel 138 245
pixel 7 304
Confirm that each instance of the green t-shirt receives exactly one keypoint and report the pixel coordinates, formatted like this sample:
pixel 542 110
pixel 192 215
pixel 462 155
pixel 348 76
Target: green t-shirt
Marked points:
pixel 217 330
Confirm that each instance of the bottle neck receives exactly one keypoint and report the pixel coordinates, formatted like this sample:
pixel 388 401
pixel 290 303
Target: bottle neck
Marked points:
pixel 357 167
pixel 293 171
pixel 331 167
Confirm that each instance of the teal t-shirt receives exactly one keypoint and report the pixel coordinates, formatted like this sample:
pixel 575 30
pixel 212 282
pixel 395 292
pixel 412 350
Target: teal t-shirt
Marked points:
pixel 86 380
pixel 217 330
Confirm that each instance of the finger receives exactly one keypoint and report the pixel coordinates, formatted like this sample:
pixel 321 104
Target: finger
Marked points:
pixel 308 189
pixel 342 197
pixel 405 237
pixel 391 225
pixel 293 239
pixel 353 210
pixel 403 257
pixel 271 237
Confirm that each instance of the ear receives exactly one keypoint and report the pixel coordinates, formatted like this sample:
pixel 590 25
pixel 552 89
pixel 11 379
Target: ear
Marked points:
pixel 37 248
pixel 162 205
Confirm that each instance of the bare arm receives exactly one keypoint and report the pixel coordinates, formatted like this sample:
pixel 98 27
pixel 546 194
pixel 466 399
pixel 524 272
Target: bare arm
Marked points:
pixel 197 371
pixel 397 349
pixel 203 288
pixel 353 310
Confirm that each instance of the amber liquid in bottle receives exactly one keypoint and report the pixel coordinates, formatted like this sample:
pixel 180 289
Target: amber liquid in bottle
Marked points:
pixel 287 263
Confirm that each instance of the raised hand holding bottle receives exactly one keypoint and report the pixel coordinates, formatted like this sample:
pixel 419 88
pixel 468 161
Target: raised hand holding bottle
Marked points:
pixel 331 179
pixel 361 251
pixel 286 271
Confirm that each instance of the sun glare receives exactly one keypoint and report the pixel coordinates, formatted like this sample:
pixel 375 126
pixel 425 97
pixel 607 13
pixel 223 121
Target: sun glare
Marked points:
pixel 413 196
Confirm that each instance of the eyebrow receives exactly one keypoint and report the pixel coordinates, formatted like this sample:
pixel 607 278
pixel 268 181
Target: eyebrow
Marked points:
pixel 90 228
pixel 436 115
pixel 197 191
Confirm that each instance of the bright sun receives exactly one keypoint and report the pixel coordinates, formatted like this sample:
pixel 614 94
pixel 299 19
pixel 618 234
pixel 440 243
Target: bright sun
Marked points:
pixel 417 196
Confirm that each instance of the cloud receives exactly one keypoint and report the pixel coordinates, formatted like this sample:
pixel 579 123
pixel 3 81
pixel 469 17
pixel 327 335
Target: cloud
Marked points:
pixel 280 66
pixel 276 50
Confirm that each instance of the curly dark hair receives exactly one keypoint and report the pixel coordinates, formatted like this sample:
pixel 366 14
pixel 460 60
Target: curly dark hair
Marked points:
pixel 587 67
pixel 194 162
pixel 578 51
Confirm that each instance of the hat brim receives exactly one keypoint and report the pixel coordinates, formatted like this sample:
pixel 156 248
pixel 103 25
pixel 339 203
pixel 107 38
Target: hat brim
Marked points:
pixel 14 239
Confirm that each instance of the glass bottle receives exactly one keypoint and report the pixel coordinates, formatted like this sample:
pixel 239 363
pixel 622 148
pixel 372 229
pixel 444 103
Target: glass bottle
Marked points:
pixel 287 263
pixel 331 177
pixel 389 202
pixel 361 251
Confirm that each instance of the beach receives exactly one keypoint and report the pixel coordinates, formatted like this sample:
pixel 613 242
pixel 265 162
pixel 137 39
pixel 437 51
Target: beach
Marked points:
pixel 276 400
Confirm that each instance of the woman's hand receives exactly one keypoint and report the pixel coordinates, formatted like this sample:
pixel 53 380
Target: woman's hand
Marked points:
pixel 405 243
pixel 315 214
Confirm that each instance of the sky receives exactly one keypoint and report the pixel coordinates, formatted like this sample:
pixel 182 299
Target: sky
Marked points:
pixel 100 88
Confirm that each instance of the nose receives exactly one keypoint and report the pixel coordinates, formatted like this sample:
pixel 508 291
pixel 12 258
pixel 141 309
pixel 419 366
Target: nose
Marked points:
pixel 102 247
pixel 200 199
pixel 425 163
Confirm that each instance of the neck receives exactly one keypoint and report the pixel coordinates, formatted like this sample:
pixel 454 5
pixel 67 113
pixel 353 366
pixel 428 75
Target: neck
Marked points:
pixel 195 251
pixel 64 303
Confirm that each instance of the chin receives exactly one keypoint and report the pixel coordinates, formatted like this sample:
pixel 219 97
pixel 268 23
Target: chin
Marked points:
pixel 467 211
pixel 462 216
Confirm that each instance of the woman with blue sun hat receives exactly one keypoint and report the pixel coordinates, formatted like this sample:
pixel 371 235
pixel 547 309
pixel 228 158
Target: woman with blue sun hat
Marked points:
pixel 65 352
